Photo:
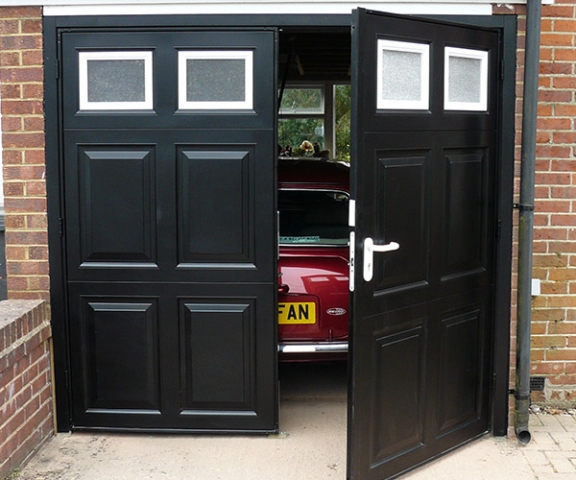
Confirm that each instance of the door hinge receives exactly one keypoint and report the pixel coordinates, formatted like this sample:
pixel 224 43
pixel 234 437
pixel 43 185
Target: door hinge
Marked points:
pixel 61 227
pixel 501 69
pixel 498 229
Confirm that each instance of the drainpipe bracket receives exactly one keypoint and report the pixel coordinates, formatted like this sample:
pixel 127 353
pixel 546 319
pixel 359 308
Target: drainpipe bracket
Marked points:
pixel 524 207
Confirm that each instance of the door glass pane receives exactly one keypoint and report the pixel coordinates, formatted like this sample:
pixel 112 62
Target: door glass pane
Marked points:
pixel 466 79
pixel 115 80
pixel 402 75
pixel 215 80
pixel 218 80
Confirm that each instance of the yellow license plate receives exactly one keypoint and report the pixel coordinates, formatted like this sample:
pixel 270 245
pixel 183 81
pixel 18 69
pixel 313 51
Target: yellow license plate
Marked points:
pixel 296 313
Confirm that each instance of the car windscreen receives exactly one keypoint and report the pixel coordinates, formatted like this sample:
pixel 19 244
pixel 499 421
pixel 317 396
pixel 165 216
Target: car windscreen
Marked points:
pixel 313 217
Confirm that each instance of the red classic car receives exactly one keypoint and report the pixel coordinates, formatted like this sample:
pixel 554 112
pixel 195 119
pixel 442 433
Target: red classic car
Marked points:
pixel 313 305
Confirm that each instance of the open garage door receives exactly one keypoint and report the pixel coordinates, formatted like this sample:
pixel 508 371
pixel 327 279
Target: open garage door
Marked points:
pixel 425 142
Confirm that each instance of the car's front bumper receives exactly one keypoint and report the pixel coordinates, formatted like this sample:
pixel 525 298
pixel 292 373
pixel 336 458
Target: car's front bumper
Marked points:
pixel 312 348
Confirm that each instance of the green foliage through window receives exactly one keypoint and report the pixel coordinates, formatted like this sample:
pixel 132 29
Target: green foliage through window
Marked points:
pixel 342 121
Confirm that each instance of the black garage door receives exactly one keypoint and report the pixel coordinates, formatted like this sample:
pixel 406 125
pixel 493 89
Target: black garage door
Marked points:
pixel 169 189
pixel 426 97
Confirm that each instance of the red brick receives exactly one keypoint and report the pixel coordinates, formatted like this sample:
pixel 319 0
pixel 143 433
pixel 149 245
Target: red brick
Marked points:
pixel 22 294
pixel 564 82
pixel 11 157
pixel 37 222
pixel 39 283
pixel 559 10
pixel 563 192
pixel 31 26
pixel 20 12
pixel 15 222
pixel 550 234
pixel 552 179
pixel 11 92
pixel 34 157
pixel 34 124
pixel 27 268
pixel 26 238
pixel 560 288
pixel 13 189
pixel 23 140
pixel 21 42
pixel 570 367
pixel 36 189
pixel 24 172
pixel 9 59
pixel 548 341
pixel 562 110
pixel 562 274
pixel 8 27
pixel 562 379
pixel 563 220
pixel 556 39
pixel 555 123
pixel 24 205
pixel 568 26
pixel 555 68
pixel 561 354
pixel 565 54
pixel 38 253
pixel 557 206
pixel 15 252
pixel 11 124
pixel 21 107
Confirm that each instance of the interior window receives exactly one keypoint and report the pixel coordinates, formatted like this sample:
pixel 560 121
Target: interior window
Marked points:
pixel 313 217
pixel 314 121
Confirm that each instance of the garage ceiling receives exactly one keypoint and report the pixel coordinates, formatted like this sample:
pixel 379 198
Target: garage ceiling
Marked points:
pixel 313 56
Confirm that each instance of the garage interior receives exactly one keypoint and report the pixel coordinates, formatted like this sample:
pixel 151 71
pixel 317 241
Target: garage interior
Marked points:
pixel 315 55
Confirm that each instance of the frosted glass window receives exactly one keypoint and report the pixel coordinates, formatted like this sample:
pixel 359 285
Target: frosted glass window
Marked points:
pixel 403 71
pixel 215 80
pixel 115 80
pixel 466 79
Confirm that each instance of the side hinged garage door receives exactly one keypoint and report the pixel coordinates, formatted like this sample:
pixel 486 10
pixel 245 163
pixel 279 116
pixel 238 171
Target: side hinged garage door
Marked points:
pixel 169 200
pixel 425 161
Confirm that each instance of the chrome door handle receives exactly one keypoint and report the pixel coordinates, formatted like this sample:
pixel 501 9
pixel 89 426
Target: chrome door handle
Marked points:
pixel 369 249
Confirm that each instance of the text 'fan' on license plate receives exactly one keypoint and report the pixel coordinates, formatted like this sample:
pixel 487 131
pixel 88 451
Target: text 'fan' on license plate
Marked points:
pixel 294 313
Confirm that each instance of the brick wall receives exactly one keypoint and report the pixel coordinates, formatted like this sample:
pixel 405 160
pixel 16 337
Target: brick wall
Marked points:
pixel 554 311
pixel 26 415
pixel 21 83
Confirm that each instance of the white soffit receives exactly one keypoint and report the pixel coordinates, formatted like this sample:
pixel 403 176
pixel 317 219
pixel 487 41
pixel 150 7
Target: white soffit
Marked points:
pixel 253 7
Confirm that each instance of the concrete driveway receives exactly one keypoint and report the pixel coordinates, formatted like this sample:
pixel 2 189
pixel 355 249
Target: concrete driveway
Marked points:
pixel 311 446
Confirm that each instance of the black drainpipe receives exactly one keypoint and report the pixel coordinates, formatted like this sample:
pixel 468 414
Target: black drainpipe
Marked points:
pixel 526 208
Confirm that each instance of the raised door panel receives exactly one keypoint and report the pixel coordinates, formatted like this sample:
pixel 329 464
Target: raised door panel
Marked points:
pixel 119 354
pixel 216 209
pixel 217 354
pixel 402 174
pixel 116 211
pixel 466 214
pixel 396 394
